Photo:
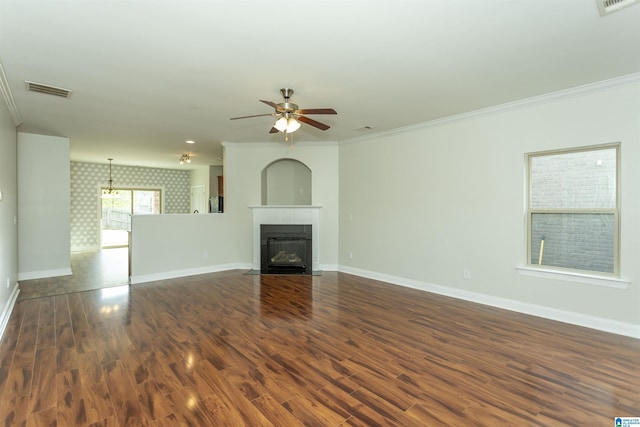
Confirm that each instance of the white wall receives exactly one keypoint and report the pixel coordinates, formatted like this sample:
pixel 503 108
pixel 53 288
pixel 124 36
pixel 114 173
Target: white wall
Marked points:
pixel 165 246
pixel 8 215
pixel 244 163
pixel 288 183
pixel 44 241
pixel 419 206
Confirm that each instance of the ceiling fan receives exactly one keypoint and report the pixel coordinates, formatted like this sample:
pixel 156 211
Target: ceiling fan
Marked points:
pixel 290 116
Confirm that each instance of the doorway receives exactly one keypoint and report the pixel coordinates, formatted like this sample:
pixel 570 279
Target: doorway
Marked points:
pixel 116 210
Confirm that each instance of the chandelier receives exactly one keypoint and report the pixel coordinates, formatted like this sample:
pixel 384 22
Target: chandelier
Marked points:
pixel 110 192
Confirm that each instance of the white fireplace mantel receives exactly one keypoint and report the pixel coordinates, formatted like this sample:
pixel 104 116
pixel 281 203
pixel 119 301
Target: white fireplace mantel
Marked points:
pixel 289 214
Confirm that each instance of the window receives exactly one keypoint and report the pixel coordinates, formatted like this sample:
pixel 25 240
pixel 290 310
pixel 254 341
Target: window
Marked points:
pixel 117 209
pixel 572 209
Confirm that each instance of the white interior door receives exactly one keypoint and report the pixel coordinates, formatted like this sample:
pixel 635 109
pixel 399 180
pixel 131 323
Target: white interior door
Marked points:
pixel 198 199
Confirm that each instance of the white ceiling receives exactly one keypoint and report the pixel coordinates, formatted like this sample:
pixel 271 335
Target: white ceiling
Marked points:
pixel 148 75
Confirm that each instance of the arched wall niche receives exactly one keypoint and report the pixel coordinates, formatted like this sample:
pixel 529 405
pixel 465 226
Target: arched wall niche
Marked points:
pixel 286 182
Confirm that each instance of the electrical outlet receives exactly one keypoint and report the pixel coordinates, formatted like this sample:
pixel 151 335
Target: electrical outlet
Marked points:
pixel 466 274
pixel 8 283
pixel 350 255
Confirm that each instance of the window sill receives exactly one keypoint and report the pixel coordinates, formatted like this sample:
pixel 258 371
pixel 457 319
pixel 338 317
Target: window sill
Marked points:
pixel 590 279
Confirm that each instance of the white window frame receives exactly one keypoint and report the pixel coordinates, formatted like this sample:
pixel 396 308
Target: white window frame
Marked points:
pixel 585 276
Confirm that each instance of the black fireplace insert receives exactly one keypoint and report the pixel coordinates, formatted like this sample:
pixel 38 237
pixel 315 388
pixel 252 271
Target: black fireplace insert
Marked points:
pixel 285 249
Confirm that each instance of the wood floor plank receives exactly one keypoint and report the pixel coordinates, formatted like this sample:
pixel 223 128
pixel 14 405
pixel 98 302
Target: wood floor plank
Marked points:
pixel 245 350
pixel 14 406
pixel 8 346
pixel 97 400
pixel 66 351
pixel 312 412
pixel 236 392
pixel 45 418
pixel 188 410
pixel 80 326
pixel 42 394
pixel 157 369
pixel 25 349
pixel 46 323
pixel 106 422
pixel 277 414
pixel 70 397
pixel 153 399
pixel 123 396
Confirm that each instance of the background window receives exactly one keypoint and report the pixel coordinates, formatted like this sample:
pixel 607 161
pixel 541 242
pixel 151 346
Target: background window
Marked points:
pixel 572 210
pixel 117 209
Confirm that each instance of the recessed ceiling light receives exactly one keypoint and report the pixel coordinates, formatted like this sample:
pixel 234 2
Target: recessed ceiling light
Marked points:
pixel 188 141
pixel 363 128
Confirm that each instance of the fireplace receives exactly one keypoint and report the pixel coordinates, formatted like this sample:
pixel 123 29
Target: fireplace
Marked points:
pixel 286 249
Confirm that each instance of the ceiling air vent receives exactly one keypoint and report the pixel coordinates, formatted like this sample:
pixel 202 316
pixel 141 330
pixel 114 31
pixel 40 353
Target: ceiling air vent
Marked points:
pixel 49 90
pixel 609 6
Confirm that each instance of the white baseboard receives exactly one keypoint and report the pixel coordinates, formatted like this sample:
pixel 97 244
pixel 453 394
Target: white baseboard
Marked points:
pixel 8 309
pixel 144 278
pixel 602 324
pixel 44 274
pixel 78 249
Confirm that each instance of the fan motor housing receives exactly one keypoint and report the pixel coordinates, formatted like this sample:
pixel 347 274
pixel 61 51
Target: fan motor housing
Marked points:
pixel 288 107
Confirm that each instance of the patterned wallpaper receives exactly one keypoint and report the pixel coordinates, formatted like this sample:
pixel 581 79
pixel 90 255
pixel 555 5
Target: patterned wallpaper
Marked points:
pixel 85 202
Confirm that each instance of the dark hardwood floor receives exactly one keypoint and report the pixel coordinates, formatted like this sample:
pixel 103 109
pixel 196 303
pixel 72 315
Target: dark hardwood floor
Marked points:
pixel 230 349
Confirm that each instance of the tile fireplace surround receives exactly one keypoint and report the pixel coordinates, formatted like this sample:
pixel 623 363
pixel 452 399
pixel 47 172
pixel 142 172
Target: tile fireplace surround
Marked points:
pixel 287 215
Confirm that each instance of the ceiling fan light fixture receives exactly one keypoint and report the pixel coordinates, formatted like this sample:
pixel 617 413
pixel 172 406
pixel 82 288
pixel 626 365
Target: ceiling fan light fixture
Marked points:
pixel 294 125
pixel 281 124
pixel 287 125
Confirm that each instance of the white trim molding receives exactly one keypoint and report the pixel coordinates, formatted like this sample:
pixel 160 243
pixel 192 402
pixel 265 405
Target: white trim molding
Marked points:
pixel 601 324
pixel 8 97
pixel 633 78
pixel 30 275
pixel 568 276
pixel 8 309
pixel 165 275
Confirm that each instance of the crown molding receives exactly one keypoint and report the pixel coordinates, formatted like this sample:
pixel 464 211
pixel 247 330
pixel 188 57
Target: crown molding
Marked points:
pixel 8 97
pixel 510 106
pixel 269 144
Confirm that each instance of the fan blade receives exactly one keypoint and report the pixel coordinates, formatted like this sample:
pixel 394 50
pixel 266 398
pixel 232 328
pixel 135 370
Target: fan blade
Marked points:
pixel 274 130
pixel 272 104
pixel 255 115
pixel 312 122
pixel 317 111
